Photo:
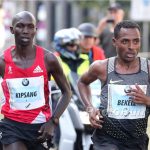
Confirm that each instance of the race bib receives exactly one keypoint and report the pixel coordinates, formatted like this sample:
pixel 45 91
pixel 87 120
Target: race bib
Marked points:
pixel 26 93
pixel 121 106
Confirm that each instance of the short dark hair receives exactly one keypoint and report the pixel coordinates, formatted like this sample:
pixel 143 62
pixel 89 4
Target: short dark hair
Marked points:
pixel 125 24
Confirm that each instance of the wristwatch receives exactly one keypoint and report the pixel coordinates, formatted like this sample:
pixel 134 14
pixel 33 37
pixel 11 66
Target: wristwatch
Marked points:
pixel 55 120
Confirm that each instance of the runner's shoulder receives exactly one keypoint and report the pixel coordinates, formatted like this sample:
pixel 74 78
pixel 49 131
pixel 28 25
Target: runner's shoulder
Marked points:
pixel 100 63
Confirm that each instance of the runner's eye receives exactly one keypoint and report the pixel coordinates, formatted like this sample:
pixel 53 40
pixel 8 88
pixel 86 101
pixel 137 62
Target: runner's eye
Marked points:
pixel 136 41
pixel 124 41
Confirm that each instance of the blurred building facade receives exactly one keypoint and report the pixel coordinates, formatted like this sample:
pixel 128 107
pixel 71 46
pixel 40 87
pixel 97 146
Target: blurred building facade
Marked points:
pixel 53 15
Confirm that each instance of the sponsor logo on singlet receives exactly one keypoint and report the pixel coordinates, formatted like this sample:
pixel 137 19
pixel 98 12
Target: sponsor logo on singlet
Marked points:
pixel 115 81
pixel 25 82
pixel 37 69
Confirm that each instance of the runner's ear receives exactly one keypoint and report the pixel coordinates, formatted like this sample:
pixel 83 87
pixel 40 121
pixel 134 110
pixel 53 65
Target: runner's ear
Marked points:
pixel 11 30
pixel 114 42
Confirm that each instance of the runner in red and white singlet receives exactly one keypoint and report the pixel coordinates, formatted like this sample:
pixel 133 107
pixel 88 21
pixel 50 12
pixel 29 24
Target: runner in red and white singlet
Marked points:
pixel 26 90
pixel 26 70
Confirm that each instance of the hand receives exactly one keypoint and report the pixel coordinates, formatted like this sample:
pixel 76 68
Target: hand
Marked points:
pixel 46 132
pixel 95 118
pixel 102 24
pixel 138 96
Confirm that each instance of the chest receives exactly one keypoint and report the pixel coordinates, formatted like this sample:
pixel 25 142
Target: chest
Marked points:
pixel 127 69
pixel 24 62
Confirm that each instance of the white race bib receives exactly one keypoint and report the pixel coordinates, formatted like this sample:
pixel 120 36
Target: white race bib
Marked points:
pixel 26 93
pixel 121 106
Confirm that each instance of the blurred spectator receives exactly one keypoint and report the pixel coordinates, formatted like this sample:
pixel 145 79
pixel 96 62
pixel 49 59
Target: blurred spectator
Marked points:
pixel 66 44
pixel 106 26
pixel 89 41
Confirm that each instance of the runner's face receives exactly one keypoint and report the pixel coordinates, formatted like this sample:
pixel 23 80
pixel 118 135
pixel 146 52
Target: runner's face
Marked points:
pixel 128 43
pixel 24 29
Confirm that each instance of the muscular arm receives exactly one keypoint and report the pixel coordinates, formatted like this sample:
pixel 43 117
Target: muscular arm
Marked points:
pixel 54 68
pixel 96 71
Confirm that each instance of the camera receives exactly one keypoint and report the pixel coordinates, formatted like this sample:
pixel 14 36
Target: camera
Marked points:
pixel 110 20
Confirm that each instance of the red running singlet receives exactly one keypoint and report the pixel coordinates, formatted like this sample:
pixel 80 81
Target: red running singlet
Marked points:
pixel 26 91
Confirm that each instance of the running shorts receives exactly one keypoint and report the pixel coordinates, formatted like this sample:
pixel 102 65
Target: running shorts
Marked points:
pixel 12 131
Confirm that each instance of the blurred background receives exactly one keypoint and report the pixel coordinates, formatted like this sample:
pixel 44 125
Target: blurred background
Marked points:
pixel 53 15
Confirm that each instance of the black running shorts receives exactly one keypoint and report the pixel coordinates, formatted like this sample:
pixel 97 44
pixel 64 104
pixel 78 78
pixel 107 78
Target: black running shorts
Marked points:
pixel 102 141
pixel 12 131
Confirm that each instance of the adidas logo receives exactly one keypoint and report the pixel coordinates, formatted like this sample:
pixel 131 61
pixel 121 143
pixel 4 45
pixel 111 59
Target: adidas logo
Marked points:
pixel 37 69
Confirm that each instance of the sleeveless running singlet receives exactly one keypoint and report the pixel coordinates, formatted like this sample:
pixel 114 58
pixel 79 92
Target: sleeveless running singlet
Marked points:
pixel 26 90
pixel 123 118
